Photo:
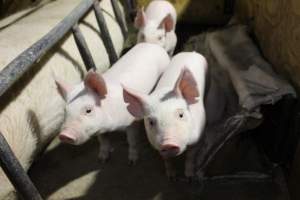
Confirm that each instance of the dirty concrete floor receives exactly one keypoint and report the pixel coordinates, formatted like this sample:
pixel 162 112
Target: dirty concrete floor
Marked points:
pixel 73 172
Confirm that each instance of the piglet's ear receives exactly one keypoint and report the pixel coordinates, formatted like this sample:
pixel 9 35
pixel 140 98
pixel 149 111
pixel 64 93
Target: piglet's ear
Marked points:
pixel 62 87
pixel 167 23
pixel 95 81
pixel 136 102
pixel 140 19
pixel 186 86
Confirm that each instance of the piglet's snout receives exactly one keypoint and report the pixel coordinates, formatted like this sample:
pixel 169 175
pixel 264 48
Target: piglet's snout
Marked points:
pixel 169 150
pixel 68 136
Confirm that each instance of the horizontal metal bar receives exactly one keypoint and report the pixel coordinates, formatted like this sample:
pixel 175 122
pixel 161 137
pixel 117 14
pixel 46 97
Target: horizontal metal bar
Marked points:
pixel 119 17
pixel 239 176
pixel 107 41
pixel 14 70
pixel 15 172
pixel 83 48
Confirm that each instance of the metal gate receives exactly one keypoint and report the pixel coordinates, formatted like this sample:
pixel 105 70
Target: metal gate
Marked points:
pixel 21 64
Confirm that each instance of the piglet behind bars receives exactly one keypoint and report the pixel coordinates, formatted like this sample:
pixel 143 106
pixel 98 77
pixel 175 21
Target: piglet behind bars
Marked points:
pixel 174 114
pixel 157 25
pixel 96 106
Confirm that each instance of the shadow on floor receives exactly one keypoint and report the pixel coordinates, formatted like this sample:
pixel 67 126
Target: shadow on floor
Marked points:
pixel 64 171
pixel 73 172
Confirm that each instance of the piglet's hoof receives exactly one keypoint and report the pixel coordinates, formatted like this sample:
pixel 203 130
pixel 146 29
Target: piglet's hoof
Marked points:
pixel 132 162
pixel 133 158
pixel 103 160
pixel 104 156
pixel 172 176
pixel 192 180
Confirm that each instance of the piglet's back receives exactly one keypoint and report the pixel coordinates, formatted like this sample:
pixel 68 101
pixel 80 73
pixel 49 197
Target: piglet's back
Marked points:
pixel 144 63
pixel 158 9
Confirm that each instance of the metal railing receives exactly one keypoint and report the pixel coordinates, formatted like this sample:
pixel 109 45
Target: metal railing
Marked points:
pixel 24 62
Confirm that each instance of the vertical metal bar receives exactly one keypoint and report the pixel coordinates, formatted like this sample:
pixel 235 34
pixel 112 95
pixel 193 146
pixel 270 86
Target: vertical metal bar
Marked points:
pixel 83 48
pixel 119 17
pixel 105 34
pixel 229 7
pixel 131 4
pixel 15 173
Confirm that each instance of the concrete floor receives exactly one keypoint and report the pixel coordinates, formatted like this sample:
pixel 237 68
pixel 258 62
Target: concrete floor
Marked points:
pixel 73 172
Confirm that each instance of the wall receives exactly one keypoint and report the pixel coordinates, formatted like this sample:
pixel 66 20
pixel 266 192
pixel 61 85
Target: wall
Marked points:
pixel 31 111
pixel 8 7
pixel 277 27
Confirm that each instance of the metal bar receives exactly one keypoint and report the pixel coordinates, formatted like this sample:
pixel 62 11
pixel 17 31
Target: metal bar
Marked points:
pixel 83 48
pixel 16 174
pixel 13 71
pixel 119 17
pixel 229 7
pixel 105 34
pixel 10 74
pixel 25 61
pixel 240 175
pixel 131 4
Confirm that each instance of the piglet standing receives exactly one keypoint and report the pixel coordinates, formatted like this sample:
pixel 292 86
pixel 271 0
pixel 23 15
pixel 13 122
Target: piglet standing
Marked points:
pixel 174 113
pixel 157 25
pixel 96 105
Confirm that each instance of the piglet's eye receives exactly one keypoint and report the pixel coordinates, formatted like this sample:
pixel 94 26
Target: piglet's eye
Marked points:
pixel 160 38
pixel 180 113
pixel 88 110
pixel 151 122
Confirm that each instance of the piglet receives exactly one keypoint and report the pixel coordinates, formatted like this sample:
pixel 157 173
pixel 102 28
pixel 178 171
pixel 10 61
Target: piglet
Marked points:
pixel 157 25
pixel 95 106
pixel 174 114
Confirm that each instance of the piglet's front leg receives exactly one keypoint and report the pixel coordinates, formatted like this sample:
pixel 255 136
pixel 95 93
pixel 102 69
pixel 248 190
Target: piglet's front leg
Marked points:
pixel 190 160
pixel 105 148
pixel 132 133
pixel 170 169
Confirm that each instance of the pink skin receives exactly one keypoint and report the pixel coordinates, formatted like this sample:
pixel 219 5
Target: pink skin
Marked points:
pixel 68 136
pixel 174 114
pixel 169 146
pixel 169 150
pixel 157 25
pixel 91 105
pixel 69 133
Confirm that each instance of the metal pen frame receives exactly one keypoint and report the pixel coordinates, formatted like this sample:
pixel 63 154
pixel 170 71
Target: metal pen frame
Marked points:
pixel 25 61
